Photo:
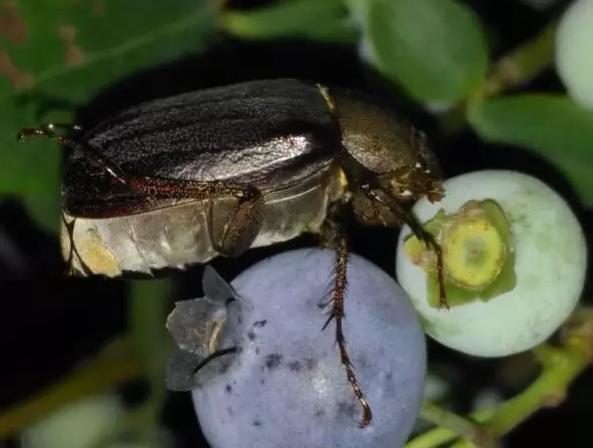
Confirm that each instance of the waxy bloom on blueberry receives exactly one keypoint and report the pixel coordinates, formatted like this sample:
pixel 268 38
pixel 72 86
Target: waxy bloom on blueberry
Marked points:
pixel 515 261
pixel 285 385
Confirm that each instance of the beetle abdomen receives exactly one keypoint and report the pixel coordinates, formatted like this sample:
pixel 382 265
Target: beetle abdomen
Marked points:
pixel 178 235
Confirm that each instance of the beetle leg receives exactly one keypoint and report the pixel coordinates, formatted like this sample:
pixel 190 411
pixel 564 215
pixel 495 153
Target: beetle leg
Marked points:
pixel 241 227
pixel 380 196
pixel 336 240
pixel 245 223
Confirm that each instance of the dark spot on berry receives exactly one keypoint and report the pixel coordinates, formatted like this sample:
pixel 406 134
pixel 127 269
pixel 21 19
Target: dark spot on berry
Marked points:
pixel 257 423
pixel 389 376
pixel 226 361
pixel 273 360
pixel 362 361
pixel 251 335
pixel 260 323
pixel 319 413
pixel 229 411
pixel 347 410
pixel 257 350
pixel 262 381
pixel 310 363
pixel 228 388
pixel 295 366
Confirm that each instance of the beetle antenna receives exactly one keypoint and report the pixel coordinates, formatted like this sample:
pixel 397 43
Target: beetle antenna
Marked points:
pixel 49 131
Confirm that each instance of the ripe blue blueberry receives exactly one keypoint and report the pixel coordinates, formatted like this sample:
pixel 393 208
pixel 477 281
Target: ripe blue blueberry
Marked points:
pixel 285 387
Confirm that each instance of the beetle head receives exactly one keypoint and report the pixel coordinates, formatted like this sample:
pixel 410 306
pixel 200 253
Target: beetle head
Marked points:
pixel 385 152
pixel 384 197
pixel 410 183
pixel 383 200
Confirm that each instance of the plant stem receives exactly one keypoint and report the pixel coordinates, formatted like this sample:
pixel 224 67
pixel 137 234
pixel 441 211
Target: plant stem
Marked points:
pixel 442 434
pixel 148 310
pixel 432 438
pixel 560 366
pixel 461 426
pixel 115 365
pixel 513 69
pixel 523 63
pixel 141 353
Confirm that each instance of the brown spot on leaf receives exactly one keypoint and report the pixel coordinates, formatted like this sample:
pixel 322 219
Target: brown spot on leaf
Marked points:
pixel 19 78
pixel 99 8
pixel 12 26
pixel 73 54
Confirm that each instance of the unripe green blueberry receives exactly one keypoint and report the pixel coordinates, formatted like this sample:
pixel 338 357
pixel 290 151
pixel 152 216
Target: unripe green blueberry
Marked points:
pixel 82 424
pixel 513 273
pixel 574 51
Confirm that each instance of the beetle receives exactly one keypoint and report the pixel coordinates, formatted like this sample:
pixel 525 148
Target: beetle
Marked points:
pixel 183 179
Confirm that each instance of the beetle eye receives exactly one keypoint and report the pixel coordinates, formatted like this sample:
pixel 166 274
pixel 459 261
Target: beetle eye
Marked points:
pixel 405 193
pixel 422 164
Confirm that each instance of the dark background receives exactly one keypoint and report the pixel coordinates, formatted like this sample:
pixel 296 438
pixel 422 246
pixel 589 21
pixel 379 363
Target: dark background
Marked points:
pixel 50 322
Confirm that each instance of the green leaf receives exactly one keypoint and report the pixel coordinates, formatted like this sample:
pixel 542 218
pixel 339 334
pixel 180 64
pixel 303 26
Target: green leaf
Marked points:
pixel 148 309
pixel 25 168
pixel 321 20
pixel 435 49
pixel 551 125
pixel 45 209
pixel 69 50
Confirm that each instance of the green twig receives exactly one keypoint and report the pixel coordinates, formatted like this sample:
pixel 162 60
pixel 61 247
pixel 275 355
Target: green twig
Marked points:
pixel 148 307
pixel 115 365
pixel 441 434
pixel 434 437
pixel 523 63
pixel 142 353
pixel 461 426
pixel 149 304
pixel 560 366
pixel 513 69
